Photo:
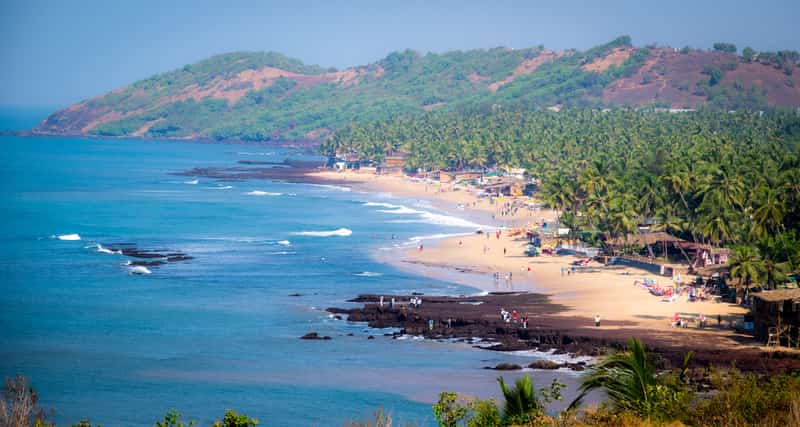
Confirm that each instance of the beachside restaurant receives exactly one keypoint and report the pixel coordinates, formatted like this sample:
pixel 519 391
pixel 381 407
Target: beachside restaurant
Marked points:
pixel 777 317
pixel 653 245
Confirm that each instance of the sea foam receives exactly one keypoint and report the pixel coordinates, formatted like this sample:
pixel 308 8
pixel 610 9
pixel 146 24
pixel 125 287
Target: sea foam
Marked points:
pixel 343 232
pixel 69 237
pixel 139 270
pixel 104 250
pixel 368 274
pixel 333 187
pixel 425 216
pixel 417 239
pixel 262 193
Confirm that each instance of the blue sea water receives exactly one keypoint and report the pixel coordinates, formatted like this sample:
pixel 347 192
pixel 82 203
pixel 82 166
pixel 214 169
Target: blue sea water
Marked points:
pixel 221 330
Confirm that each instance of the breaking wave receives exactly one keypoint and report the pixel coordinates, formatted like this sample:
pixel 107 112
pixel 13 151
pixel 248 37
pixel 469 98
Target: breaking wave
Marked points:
pixel 74 236
pixel 425 216
pixel 139 270
pixel 104 250
pixel 343 232
pixel 368 274
pixel 262 193
pixel 417 239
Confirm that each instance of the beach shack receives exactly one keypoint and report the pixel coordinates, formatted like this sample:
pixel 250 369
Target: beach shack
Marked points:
pixel 393 163
pixel 342 161
pixel 650 243
pixel 467 176
pixel 706 255
pixel 777 316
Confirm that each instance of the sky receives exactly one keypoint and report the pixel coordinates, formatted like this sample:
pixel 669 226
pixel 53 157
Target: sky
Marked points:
pixel 55 53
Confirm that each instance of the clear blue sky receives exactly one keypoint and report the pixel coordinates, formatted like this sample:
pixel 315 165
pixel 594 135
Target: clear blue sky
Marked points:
pixel 55 53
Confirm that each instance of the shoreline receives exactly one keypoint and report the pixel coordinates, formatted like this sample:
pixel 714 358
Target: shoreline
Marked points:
pixel 625 310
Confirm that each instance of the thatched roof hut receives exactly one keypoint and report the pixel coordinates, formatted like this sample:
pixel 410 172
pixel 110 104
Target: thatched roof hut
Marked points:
pixel 780 309
pixel 658 237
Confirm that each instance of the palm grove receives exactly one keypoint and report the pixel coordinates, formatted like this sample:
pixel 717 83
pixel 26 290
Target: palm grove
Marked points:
pixel 722 178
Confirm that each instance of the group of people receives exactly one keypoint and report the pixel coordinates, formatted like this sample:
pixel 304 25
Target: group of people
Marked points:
pixel 415 302
pixel 508 209
pixel 513 316
pixel 702 321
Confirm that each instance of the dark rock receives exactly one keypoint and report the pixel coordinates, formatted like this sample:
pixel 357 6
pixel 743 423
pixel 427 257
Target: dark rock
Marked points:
pixel 507 367
pixel 147 263
pixel 370 337
pixel 314 336
pixel 295 295
pixel 544 364
pixel 576 367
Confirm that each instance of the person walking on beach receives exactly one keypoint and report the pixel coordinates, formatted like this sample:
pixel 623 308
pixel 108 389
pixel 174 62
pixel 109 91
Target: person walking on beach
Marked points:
pixel 525 322
pixel 430 324
pixel 597 320
pixel 420 247
pixel 381 303
pixel 504 251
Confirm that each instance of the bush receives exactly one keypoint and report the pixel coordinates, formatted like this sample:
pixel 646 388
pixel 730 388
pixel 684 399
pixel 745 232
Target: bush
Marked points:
pixel 725 47
pixel 19 405
pixel 745 399
pixel 234 419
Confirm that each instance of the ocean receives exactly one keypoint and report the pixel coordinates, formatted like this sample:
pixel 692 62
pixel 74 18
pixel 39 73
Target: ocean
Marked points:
pixel 221 329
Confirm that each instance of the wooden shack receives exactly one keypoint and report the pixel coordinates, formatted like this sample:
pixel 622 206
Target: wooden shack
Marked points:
pixel 466 176
pixel 779 309
pixel 393 163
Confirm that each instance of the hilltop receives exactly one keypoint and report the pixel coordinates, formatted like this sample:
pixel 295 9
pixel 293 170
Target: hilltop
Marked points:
pixel 268 96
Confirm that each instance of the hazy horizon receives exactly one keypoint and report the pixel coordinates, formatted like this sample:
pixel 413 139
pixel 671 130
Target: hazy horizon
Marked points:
pixel 57 54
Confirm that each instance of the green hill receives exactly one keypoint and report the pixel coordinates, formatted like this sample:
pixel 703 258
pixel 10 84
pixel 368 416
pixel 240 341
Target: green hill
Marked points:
pixel 267 96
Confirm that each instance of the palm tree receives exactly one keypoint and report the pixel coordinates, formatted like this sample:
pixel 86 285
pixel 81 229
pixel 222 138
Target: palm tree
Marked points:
pixel 746 265
pixel 521 401
pixel 768 216
pixel 628 378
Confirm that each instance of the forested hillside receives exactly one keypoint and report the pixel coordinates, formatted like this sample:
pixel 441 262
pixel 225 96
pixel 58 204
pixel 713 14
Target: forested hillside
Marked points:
pixel 267 96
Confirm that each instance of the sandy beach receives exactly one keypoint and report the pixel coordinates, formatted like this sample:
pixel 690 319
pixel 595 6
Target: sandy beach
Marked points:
pixel 608 293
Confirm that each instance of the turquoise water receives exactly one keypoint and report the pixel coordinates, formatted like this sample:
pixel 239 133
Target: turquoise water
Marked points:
pixel 219 331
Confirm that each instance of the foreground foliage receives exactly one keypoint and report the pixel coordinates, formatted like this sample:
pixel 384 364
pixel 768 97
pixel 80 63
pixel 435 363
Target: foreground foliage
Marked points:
pixel 638 396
